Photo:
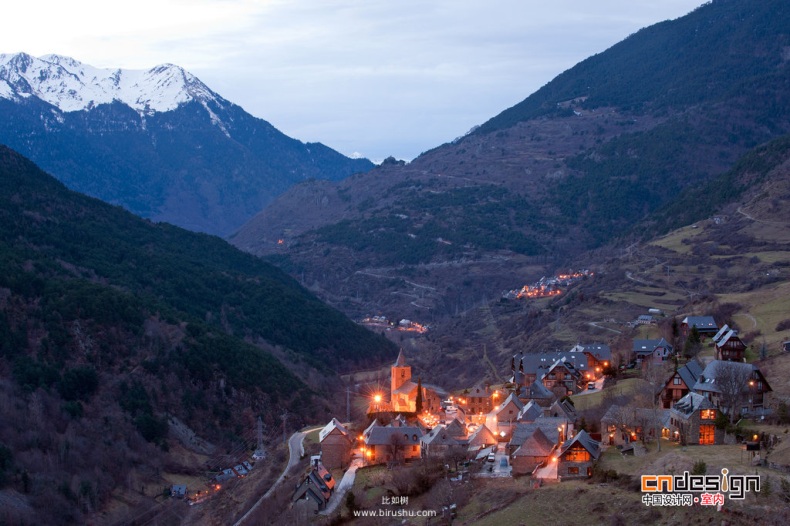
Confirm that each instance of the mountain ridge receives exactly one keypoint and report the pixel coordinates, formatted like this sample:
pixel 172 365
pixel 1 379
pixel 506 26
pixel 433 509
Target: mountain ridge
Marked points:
pixel 577 170
pixel 71 85
pixel 186 156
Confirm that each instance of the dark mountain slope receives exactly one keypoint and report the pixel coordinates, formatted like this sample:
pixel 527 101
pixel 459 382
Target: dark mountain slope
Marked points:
pixel 206 165
pixel 721 50
pixel 592 159
pixel 113 330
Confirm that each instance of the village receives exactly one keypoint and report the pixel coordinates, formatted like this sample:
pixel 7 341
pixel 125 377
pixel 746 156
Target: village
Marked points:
pixel 533 426
pixel 547 287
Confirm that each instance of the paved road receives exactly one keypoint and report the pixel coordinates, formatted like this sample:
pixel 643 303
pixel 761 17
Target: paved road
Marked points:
pixel 497 470
pixel 296 451
pixel 345 484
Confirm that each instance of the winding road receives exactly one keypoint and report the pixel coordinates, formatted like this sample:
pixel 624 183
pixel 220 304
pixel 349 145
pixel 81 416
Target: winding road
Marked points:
pixel 296 451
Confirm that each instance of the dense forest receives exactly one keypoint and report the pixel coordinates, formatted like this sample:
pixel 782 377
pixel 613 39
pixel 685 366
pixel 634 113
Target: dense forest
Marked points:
pixel 111 326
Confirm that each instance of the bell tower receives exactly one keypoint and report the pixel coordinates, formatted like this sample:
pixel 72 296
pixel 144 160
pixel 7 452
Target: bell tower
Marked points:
pixel 401 373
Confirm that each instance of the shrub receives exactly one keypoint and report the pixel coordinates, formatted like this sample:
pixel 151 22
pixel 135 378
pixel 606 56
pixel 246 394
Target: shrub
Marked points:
pixel 700 468
pixel 78 383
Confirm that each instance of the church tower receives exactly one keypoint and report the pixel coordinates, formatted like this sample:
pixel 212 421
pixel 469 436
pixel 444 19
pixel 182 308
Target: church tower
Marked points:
pixel 401 373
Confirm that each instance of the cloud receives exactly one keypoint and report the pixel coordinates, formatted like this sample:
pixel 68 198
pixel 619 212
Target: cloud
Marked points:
pixel 379 77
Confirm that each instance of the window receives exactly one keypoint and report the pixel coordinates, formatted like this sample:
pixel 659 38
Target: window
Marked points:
pixel 708 414
pixel 577 455
pixel 573 470
pixel 676 380
pixel 414 449
pixel 707 434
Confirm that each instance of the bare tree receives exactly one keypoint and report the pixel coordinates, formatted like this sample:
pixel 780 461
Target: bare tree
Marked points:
pixel 732 379
pixel 396 445
pixel 455 455
pixel 654 376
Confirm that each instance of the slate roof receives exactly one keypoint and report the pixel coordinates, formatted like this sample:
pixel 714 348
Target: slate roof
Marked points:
pixel 439 436
pixel 512 398
pixel 372 425
pixel 531 412
pixel 586 441
pixel 381 436
pixel 563 408
pixel 547 424
pixel 600 350
pixel 540 363
pixel 690 403
pixel 689 374
pixel 406 387
pixel 401 360
pixel 702 323
pixel 331 426
pixel 537 445
pixel 706 382
pixel 482 435
pixel 539 391
pixel 645 347
pixel 456 429
pixel 732 333
pixel 721 332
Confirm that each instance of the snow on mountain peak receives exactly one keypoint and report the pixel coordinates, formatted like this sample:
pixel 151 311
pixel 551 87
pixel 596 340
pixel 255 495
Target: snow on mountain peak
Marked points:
pixel 71 85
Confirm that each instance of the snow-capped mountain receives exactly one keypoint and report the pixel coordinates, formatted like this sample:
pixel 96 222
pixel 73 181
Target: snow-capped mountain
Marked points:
pixel 71 85
pixel 158 141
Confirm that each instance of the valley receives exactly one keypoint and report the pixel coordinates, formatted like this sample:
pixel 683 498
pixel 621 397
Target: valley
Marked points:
pixel 512 328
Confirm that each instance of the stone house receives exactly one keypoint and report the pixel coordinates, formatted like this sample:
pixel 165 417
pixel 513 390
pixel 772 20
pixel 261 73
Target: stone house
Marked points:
pixel 393 444
pixel 336 445
pixel 693 421
pixel 535 450
pixel 577 457
pixel 754 392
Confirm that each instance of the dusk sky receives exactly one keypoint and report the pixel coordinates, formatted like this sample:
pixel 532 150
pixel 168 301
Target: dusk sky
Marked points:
pixel 375 77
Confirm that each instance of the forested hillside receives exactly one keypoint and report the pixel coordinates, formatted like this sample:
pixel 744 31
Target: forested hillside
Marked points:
pixel 110 325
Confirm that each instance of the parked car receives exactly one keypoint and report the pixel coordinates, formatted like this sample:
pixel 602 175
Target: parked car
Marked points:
pixel 491 457
pixel 590 385
pixel 503 462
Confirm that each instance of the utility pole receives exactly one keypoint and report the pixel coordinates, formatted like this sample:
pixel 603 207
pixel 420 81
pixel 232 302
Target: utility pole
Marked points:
pixel 348 403
pixel 260 453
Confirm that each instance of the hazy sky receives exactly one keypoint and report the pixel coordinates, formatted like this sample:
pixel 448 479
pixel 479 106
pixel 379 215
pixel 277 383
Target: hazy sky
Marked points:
pixel 378 77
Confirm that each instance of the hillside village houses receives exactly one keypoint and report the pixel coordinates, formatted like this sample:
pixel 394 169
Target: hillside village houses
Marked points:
pixel 706 326
pixel 532 422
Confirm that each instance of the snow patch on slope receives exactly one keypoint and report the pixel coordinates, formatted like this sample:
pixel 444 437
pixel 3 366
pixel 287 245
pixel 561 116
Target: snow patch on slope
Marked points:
pixel 71 85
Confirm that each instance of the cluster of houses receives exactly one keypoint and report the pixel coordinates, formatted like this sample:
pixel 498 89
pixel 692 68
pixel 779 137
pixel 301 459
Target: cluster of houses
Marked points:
pixel 533 419
pixel 546 287
pixel 695 395
pixel 382 322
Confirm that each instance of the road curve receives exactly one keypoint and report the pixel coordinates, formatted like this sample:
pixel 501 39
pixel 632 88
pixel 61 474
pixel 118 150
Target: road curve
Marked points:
pixel 296 451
